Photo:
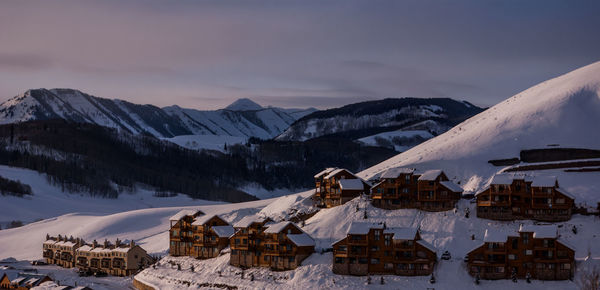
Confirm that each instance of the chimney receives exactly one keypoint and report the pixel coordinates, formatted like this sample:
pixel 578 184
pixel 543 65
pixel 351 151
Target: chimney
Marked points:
pixel 95 243
pixel 131 244
pixel 71 238
pixel 105 243
pixel 47 237
pixel 117 243
pixel 59 237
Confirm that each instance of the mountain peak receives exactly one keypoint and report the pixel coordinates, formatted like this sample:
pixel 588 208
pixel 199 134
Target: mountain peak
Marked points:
pixel 244 104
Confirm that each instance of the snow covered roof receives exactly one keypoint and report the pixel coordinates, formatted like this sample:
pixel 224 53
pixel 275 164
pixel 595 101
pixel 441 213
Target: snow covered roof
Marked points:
pixel 396 171
pixel 301 240
pixel 84 248
pixel 564 192
pixel 497 236
pixel 451 186
pixel 362 228
pixel 336 171
pixel 351 184
pixel 101 250
pixel 277 227
pixel 540 232
pixel 566 244
pixel 249 220
pixel 544 181
pixel 402 233
pixel 324 172
pixel 430 174
pixel 49 242
pixel 185 212
pixel 482 190
pixel 65 243
pixel 427 245
pixel 199 221
pixel 223 231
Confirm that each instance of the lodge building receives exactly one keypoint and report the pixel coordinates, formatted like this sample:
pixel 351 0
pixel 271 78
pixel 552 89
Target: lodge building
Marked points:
pixel 336 186
pixel 371 248
pixel 535 251
pixel 260 243
pixel 21 281
pixel 119 259
pixel 511 197
pixel 198 236
pixel 408 188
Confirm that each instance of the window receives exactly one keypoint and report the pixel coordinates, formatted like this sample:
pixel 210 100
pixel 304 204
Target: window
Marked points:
pixel 234 252
pixel 266 258
pixel 407 178
pixel 512 257
pixel 374 248
pixel 374 261
pixel 388 266
pixel 377 235
pixel 528 252
pixel 339 260
pixel 362 260
pixel 565 266
pixel 291 259
pixel 342 248
pixel 560 200
pixel 515 244
pixel 525 239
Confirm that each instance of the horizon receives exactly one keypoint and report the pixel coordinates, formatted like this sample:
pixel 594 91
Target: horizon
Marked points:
pixel 207 55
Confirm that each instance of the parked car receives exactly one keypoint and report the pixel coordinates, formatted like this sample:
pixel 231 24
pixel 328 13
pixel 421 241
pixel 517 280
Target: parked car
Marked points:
pixel 39 263
pixel 100 274
pixel 446 256
pixel 466 259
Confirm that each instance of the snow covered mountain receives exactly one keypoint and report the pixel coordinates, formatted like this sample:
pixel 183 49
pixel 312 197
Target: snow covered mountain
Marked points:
pixel 243 118
pixel 365 119
pixel 563 112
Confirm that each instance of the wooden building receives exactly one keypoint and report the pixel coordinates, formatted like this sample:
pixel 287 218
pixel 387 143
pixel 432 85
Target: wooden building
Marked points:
pixel 336 186
pixel 513 196
pixel 407 188
pixel 180 234
pixel 534 251
pixel 211 235
pixel 22 281
pixel 279 246
pixel 370 248
pixel 119 259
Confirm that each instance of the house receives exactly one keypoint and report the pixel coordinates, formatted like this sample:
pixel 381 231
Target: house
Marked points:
pixel 279 246
pixel 180 233
pixel 514 196
pixel 60 250
pixel 372 248
pixel 22 281
pixel 534 251
pixel 336 186
pixel 408 188
pixel 211 235
pixel 119 259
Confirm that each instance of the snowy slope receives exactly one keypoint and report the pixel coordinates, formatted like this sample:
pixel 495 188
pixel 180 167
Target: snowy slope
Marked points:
pixel 445 230
pixel 563 111
pixel 244 104
pixel 209 142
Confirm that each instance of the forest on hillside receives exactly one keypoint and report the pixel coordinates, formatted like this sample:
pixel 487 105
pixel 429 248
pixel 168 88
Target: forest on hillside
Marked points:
pixel 82 157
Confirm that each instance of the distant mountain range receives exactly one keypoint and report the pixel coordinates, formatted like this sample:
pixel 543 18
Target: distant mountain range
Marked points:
pixel 243 118
pixel 402 122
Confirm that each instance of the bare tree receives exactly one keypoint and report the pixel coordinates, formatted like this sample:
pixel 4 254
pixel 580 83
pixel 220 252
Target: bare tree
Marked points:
pixel 589 279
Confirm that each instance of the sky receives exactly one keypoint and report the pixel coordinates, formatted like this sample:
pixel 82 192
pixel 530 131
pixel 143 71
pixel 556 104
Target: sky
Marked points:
pixel 206 54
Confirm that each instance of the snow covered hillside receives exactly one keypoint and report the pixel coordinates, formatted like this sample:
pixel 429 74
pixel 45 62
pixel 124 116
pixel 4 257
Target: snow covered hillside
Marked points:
pixel 209 142
pixel 445 230
pixel 397 140
pixel 243 118
pixel 563 112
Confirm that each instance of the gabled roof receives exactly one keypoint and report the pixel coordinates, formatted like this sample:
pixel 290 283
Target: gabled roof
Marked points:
pixel 402 233
pixel 498 236
pixel 396 172
pixel 502 178
pixel 84 248
pixel 451 186
pixel 199 221
pixel 223 231
pixel 336 171
pixel 301 240
pixel 362 228
pixel 544 181
pixel 566 244
pixel 278 227
pixel 351 184
pixel 540 232
pixel 249 220
pixel 565 193
pixel 427 245
pixel 185 212
pixel 324 172
pixel 430 174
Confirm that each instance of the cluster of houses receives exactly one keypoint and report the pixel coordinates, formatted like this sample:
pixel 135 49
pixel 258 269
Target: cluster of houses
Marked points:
pixel 22 280
pixel 118 259
pixel 254 241
pixel 534 251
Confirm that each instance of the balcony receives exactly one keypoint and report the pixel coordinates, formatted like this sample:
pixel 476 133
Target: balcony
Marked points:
pixel 82 262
